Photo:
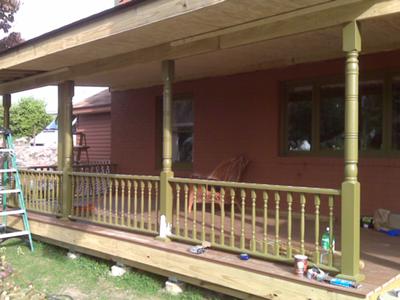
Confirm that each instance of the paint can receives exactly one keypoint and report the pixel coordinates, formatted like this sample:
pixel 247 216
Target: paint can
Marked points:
pixel 300 264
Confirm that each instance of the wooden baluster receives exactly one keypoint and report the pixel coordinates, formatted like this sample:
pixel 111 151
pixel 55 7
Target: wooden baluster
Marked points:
pixel 186 191
pixel 302 222
pixel 232 233
pixel 142 204
pixel 94 200
pixel 331 249
pixel 156 203
pixel 58 193
pixel 92 204
pixel 48 193
pixel 40 191
pixel 212 215
pixel 178 200
pixel 110 202
pixel 265 235
pixel 277 223
pixel 135 203
pixel 243 219
pixel 122 202
pixel 149 220
pixel 129 216
pixel 317 202
pixel 86 203
pixel 222 232
pixel 116 183
pixel 104 210
pixel 203 213
pixel 253 220
pixel 194 212
pixel 53 192
pixel 289 224
pixel 97 199
pixel 82 182
pixel 45 199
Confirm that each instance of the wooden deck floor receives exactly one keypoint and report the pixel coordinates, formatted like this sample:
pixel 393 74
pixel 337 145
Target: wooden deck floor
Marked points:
pixel 218 270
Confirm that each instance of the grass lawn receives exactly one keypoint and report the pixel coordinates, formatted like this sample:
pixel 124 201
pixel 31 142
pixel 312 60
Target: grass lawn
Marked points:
pixel 50 272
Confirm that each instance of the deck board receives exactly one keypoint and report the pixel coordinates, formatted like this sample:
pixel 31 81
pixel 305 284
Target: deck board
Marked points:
pixel 378 251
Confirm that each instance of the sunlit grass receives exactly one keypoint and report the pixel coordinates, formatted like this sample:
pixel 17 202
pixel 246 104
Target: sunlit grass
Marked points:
pixel 51 272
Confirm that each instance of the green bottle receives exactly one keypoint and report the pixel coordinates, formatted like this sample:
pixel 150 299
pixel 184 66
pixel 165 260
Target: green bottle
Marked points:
pixel 325 242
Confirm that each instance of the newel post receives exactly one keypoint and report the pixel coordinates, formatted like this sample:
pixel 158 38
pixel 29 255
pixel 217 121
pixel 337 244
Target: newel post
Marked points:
pixel 65 143
pixel 168 68
pixel 350 228
pixel 6 110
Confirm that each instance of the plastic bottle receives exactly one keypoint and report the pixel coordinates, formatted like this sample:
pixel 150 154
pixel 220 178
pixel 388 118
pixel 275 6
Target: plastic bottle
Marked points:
pixel 325 241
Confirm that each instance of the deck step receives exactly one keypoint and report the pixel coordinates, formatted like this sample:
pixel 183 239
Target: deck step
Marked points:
pixel 13 234
pixel 12 212
pixel 8 170
pixel 12 191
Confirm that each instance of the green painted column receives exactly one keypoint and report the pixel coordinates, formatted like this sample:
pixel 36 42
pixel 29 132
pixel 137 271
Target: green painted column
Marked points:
pixel 166 173
pixel 65 143
pixel 350 228
pixel 6 110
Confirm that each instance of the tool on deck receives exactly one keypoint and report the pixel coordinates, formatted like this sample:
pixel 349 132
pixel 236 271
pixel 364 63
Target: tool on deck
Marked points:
pixel 11 185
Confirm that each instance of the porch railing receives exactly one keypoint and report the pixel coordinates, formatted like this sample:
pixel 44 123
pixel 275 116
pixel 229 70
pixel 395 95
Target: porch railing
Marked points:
pixel 92 167
pixel 126 201
pixel 269 221
pixel 42 190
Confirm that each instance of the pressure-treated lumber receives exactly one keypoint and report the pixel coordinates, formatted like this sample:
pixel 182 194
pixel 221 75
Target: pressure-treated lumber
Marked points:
pixel 235 281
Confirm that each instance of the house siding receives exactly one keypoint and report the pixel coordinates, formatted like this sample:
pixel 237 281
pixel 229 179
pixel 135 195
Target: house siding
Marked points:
pixel 240 114
pixel 97 128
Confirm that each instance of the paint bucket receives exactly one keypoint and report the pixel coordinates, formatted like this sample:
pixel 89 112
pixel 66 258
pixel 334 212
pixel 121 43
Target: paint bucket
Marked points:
pixel 300 264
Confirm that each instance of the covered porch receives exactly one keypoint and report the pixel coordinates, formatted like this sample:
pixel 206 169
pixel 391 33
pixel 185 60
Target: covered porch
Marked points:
pixel 271 222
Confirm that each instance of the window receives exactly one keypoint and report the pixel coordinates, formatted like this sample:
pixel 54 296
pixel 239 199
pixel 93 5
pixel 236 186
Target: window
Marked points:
pixel 396 113
pixel 314 116
pixel 371 115
pixel 182 131
pixel 299 111
pixel 332 116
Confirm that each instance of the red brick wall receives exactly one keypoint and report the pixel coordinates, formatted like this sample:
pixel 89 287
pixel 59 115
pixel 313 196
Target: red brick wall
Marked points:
pixel 240 114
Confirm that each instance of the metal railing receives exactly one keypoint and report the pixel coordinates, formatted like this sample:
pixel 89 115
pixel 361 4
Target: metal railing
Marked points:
pixel 267 221
pixel 42 190
pixel 125 201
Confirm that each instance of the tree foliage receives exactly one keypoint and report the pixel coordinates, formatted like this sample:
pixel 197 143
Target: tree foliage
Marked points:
pixel 8 8
pixel 29 117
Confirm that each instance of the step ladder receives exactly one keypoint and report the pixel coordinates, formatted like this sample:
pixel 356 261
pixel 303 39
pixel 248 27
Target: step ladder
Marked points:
pixel 11 185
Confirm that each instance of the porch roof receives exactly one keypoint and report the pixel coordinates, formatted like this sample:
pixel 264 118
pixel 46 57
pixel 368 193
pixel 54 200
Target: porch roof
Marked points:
pixel 206 37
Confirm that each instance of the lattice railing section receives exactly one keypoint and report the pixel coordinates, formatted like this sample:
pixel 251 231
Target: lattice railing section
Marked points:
pixel 42 190
pixel 268 221
pixel 127 201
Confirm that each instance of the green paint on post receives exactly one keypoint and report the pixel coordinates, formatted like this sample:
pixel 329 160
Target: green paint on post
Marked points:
pixel 65 145
pixel 166 196
pixel 350 230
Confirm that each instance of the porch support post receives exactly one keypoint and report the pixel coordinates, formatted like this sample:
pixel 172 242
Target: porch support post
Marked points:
pixel 6 110
pixel 350 229
pixel 65 154
pixel 168 68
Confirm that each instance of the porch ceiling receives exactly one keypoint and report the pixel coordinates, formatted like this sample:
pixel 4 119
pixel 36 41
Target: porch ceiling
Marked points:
pixel 122 48
pixel 379 34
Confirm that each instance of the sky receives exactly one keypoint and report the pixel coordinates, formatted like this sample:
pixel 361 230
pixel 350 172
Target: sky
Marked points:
pixel 36 17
